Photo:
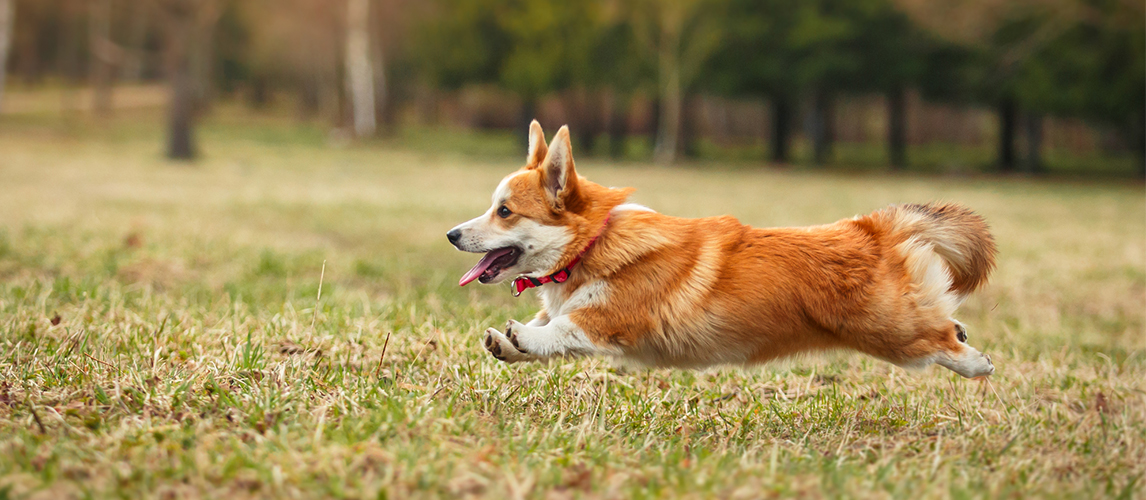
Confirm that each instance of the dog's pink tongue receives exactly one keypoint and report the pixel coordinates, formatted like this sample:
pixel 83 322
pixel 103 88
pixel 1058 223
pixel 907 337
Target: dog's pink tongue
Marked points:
pixel 482 265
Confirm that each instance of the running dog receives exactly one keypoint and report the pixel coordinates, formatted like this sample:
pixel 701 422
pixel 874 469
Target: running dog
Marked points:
pixel 618 279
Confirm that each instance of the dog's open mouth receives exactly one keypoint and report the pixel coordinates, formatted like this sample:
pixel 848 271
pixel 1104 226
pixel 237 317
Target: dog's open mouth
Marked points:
pixel 490 266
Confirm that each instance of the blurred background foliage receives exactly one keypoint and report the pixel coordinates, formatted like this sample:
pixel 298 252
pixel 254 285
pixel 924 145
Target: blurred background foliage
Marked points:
pixel 1031 86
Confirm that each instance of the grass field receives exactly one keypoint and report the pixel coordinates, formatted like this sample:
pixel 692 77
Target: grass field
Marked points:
pixel 162 334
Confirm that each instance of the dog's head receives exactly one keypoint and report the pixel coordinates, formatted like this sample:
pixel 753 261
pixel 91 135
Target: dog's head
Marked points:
pixel 537 214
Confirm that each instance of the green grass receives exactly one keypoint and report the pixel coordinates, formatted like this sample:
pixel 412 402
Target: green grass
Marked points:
pixel 161 336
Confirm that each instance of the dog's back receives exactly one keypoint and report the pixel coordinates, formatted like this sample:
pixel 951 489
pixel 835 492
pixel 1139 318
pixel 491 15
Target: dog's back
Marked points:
pixel 703 291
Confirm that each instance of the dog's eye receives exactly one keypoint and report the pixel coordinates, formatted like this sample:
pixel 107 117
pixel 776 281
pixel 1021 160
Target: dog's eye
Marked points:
pixel 503 212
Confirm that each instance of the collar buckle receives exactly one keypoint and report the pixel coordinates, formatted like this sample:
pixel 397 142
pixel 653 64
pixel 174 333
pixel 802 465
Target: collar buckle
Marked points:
pixel 523 282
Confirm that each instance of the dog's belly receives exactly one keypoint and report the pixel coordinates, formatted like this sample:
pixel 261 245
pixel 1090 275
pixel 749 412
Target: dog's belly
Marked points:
pixel 732 333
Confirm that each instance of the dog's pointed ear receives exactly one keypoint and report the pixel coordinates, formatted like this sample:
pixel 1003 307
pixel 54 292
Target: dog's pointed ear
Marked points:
pixel 558 176
pixel 537 148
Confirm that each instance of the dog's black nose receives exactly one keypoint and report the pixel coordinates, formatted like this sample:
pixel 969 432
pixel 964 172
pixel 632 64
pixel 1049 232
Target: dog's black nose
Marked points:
pixel 453 236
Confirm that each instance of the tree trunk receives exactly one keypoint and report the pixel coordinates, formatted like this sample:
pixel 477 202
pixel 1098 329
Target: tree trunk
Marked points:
pixel 595 126
pixel 671 95
pixel 7 26
pixel 383 111
pixel 68 54
pixel 897 128
pixel 1033 125
pixel 690 128
pixel 1138 140
pixel 180 140
pixel 359 75
pixel 1008 118
pixel 30 63
pixel 180 22
pixel 580 112
pixel 781 127
pixel 654 120
pixel 616 125
pixel 132 67
pixel 103 53
pixel 528 114
pixel 823 126
pixel 259 95
pixel 201 53
pixel 588 140
pixel 669 117
pixel 331 97
pixel 308 101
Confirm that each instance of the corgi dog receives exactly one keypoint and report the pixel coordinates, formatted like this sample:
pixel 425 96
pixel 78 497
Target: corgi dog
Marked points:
pixel 619 279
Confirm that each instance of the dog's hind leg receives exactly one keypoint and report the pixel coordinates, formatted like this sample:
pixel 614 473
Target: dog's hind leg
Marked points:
pixel 968 362
pixel 947 348
pixel 962 358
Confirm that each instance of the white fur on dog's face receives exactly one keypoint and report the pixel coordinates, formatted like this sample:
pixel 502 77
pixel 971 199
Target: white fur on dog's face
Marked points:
pixel 541 245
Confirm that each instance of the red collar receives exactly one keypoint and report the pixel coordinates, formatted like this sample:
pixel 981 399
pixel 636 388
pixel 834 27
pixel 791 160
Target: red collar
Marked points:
pixel 525 282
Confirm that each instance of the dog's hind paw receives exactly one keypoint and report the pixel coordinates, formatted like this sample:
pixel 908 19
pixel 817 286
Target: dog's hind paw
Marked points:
pixel 502 348
pixel 969 363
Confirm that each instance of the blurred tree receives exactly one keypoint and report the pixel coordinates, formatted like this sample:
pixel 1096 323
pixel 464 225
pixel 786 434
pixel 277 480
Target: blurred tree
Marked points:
pixel 7 23
pixel 892 54
pixel 68 48
pixel 577 49
pixel 235 60
pixel 1069 57
pixel 825 60
pixel 359 73
pixel 105 55
pixel 781 49
pixel 203 52
pixel 756 60
pixel 27 52
pixel 460 42
pixel 682 35
pixel 616 69
pixel 586 50
pixel 378 47
pixel 183 21
pixel 1093 67
pixel 1029 59
pixel 530 48
pixel 295 46
pixel 622 70
pixel 540 54
pixel 134 50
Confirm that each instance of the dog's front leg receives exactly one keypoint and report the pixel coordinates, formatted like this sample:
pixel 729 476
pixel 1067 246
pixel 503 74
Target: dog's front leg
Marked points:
pixel 558 338
pixel 503 349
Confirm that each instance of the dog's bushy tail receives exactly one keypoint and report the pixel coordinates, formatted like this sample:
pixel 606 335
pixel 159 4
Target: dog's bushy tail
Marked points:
pixel 958 235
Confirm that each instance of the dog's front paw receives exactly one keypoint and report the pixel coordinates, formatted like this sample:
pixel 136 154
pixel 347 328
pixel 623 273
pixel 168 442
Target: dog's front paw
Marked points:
pixel 502 348
pixel 511 330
